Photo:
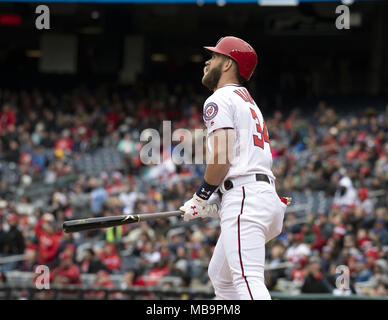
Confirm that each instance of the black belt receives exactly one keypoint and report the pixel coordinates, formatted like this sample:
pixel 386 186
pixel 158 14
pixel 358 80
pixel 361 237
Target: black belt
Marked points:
pixel 228 184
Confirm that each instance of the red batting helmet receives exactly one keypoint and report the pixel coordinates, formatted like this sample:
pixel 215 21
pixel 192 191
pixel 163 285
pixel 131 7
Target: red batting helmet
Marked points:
pixel 240 51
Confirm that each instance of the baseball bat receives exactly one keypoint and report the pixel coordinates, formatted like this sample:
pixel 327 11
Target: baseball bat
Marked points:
pixel 107 222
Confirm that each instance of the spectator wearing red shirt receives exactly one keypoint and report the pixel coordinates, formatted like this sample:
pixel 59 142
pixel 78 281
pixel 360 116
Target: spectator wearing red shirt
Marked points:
pixel 103 281
pixel 116 185
pixel 110 258
pixel 7 117
pixel 299 272
pixel 322 230
pixel 131 279
pixel 66 273
pixel 48 239
pixel 64 143
pixel 112 118
pixel 156 274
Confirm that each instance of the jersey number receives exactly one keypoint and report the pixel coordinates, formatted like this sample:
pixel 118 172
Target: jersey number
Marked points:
pixel 244 94
pixel 263 133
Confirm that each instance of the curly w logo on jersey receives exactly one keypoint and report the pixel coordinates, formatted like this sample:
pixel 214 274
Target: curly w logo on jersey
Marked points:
pixel 210 111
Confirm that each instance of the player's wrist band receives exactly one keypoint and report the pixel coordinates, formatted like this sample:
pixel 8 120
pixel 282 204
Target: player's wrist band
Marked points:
pixel 205 190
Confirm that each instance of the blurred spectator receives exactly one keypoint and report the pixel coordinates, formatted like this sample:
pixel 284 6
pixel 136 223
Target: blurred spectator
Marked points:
pixel 3 278
pixel 91 263
pixel 346 195
pixel 380 230
pixel 130 279
pixel 13 242
pixel 153 277
pixel 127 145
pixel 99 196
pixel 31 255
pixel 297 249
pixel 180 266
pixel 315 281
pixel 7 117
pixel 298 272
pixel 322 229
pixel 116 186
pixel 362 273
pixel 2 237
pixel 110 258
pixel 64 143
pixel 364 202
pixel 276 258
pixel 66 272
pixel 103 281
pixel 380 289
pixel 150 253
pixel 48 239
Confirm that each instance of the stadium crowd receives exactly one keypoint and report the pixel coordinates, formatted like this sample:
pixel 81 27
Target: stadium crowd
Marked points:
pixel 42 134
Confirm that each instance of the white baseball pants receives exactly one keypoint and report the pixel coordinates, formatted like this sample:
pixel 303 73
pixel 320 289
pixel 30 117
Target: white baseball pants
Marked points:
pixel 251 215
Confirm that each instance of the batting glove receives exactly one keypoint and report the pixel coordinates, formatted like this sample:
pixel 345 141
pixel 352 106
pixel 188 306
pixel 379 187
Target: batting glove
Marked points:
pixel 213 206
pixel 194 208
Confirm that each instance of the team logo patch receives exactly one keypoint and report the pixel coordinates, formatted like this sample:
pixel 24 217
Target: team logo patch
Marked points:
pixel 211 110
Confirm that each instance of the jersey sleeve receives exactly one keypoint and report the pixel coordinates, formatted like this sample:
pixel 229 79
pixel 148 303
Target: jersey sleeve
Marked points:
pixel 217 115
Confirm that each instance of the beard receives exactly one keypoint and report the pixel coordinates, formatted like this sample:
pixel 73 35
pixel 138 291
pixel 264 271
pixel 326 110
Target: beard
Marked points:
pixel 210 80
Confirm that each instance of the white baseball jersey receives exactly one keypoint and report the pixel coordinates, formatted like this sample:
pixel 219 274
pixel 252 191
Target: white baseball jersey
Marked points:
pixel 250 214
pixel 231 106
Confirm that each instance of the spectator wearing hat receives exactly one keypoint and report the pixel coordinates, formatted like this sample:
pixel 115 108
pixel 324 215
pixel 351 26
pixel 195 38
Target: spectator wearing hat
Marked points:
pixel 298 249
pixel 110 258
pixel 364 202
pixel 116 186
pixel 67 272
pixel 315 281
pixel 299 271
pixel 48 239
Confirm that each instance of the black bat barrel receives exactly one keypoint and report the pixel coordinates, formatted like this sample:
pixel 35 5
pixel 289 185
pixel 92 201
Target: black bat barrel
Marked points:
pixel 98 223
pixel 107 222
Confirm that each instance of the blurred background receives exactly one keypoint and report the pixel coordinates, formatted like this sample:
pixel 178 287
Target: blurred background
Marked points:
pixel 75 98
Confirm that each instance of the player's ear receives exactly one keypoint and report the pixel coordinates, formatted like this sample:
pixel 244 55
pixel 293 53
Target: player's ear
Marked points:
pixel 228 64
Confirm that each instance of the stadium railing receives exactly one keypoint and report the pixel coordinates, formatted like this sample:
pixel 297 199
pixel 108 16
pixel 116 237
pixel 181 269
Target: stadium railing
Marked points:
pixel 72 292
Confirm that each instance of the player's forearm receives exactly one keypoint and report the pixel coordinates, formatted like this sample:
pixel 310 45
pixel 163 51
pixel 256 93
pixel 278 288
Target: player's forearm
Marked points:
pixel 215 173
pixel 218 162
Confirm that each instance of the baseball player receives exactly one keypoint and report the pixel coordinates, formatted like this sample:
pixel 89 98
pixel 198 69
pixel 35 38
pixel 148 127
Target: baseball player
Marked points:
pixel 241 189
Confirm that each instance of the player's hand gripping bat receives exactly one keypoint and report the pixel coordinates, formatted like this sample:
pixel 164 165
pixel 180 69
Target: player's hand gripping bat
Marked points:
pixel 112 221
